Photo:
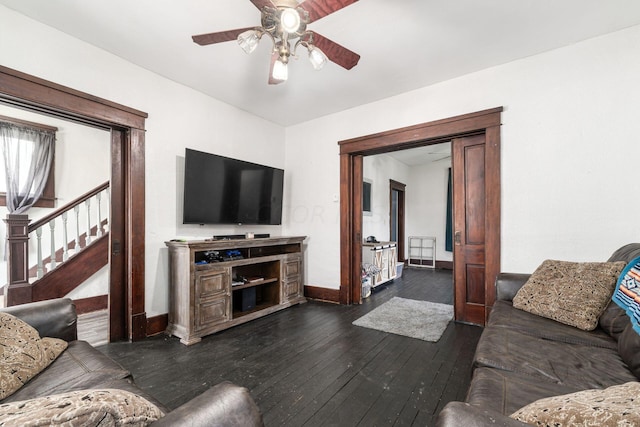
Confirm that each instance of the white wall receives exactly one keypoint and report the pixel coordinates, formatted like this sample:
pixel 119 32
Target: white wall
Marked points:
pixel 179 117
pixel 570 132
pixel 426 205
pixel 379 169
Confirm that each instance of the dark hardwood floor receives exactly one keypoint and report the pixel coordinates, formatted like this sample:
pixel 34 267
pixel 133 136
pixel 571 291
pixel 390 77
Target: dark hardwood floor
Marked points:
pixel 309 366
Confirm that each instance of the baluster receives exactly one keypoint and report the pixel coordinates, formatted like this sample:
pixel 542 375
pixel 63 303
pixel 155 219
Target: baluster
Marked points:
pixel 65 244
pixel 88 205
pixel 76 209
pixel 99 225
pixel 52 227
pixel 40 270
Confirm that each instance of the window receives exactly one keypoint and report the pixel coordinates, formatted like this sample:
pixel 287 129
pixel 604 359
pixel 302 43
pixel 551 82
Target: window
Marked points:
pixel 24 151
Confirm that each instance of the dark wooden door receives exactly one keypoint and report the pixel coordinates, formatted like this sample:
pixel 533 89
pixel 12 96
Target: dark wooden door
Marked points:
pixel 469 211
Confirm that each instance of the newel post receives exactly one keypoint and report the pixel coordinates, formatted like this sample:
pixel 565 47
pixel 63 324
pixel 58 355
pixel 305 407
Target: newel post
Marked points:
pixel 18 290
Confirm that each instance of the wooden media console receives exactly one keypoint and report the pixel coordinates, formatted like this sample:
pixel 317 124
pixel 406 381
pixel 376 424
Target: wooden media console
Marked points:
pixel 217 284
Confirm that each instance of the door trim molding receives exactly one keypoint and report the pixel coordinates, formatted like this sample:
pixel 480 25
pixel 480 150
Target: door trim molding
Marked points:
pixel 401 189
pixel 351 153
pixel 127 127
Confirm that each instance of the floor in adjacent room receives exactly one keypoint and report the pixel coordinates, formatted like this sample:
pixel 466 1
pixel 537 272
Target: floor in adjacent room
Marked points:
pixel 308 365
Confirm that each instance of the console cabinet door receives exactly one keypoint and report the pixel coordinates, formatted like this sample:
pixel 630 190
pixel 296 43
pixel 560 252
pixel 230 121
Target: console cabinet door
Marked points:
pixel 212 298
pixel 391 262
pixel 292 278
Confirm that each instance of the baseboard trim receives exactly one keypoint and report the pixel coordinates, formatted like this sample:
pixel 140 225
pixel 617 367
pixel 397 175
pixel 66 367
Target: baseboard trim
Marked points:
pixel 322 294
pixel 157 324
pixel 91 304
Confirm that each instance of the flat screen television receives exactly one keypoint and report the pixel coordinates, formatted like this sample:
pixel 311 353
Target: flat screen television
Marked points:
pixel 221 190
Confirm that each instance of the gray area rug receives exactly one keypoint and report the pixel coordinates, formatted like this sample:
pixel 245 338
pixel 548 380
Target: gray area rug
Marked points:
pixel 416 319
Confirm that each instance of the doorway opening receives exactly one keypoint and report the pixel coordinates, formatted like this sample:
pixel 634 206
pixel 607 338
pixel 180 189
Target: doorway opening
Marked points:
pixel 351 174
pixel 127 316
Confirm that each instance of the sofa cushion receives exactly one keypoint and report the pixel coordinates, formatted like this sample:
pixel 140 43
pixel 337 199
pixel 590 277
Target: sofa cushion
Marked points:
pixel 505 392
pixel 578 366
pixel 629 349
pixel 614 406
pixel 504 315
pixel 626 253
pixel 570 292
pixel 613 320
pixel 79 367
pixel 23 354
pixel 108 407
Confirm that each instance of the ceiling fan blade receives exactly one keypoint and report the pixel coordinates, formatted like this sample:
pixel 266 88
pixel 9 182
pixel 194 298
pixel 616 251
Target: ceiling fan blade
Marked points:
pixel 274 57
pixel 219 37
pixel 262 3
pixel 320 8
pixel 336 53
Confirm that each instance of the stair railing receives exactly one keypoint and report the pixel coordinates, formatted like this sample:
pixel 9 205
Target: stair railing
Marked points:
pixel 87 223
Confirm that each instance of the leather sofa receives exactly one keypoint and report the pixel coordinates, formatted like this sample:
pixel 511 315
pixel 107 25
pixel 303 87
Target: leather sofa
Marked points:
pixel 521 357
pixel 82 367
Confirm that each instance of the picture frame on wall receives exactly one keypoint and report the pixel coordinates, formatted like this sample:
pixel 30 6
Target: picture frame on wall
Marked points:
pixel 366 196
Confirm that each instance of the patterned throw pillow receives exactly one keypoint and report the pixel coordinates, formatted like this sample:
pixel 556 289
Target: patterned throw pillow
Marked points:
pixel 23 354
pixel 109 407
pixel 573 293
pixel 614 406
pixel 627 293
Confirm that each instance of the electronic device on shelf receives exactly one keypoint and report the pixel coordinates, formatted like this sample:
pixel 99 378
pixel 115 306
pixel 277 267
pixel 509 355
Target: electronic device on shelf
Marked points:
pixel 237 280
pixel 240 236
pixel 232 254
pixel 222 190
pixel 213 256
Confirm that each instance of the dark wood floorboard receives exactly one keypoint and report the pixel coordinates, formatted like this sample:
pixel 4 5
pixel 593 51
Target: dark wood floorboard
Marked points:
pixel 309 366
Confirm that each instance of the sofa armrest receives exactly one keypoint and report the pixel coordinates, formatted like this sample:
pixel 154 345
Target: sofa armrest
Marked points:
pixel 54 318
pixel 508 284
pixel 225 404
pixel 456 414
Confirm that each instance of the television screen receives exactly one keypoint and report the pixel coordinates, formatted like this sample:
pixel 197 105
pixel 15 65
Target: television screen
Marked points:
pixel 221 190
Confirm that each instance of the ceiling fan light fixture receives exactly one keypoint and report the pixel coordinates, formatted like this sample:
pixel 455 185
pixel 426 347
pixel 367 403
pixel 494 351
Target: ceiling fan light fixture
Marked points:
pixel 285 23
pixel 317 58
pixel 289 20
pixel 249 40
pixel 280 71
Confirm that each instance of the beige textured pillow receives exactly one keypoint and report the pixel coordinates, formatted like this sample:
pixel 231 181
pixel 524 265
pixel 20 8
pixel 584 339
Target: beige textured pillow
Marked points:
pixel 574 293
pixel 614 406
pixel 23 354
pixel 109 407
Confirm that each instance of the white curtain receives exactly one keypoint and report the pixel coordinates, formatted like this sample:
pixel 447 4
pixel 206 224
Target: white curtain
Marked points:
pixel 28 154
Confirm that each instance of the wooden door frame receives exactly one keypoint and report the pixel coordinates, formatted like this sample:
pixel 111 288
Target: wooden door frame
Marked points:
pixel 127 126
pixel 351 153
pixel 401 189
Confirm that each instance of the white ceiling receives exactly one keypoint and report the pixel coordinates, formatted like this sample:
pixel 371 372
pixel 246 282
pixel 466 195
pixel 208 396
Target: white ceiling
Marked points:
pixel 404 44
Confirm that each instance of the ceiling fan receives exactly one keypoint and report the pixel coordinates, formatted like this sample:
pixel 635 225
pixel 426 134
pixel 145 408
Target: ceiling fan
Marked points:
pixel 285 21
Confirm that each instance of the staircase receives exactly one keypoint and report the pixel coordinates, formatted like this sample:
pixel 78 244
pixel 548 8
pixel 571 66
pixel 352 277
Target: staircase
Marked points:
pixel 69 246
